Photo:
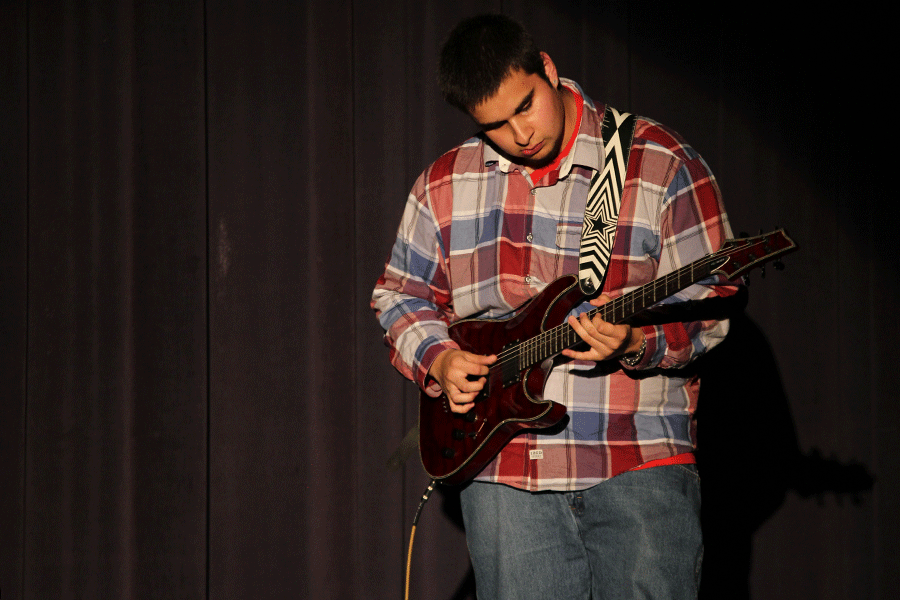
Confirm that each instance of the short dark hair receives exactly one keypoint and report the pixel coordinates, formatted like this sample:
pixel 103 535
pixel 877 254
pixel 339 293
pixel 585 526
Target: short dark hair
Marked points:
pixel 479 53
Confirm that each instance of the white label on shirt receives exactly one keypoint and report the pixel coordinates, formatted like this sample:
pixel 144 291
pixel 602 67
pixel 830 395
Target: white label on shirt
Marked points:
pixel 536 454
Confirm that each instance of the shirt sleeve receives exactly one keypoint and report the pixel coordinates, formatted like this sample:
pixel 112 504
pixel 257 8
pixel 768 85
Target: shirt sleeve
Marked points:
pixel 412 299
pixel 692 224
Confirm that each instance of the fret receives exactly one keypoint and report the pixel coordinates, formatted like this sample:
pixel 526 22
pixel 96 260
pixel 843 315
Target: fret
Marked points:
pixel 555 340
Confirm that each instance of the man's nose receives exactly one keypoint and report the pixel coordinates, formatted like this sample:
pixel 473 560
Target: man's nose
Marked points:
pixel 522 131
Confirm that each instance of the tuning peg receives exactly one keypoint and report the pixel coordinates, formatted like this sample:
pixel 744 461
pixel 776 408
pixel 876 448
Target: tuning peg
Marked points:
pixel 762 271
pixel 779 266
pixel 744 234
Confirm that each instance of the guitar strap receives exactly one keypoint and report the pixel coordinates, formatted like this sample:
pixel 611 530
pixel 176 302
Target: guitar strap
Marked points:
pixel 601 213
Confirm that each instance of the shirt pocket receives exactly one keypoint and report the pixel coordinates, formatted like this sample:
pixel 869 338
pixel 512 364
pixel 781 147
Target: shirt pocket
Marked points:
pixel 568 236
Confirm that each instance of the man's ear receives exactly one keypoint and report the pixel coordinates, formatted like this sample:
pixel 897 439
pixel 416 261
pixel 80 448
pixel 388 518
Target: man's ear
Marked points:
pixel 550 69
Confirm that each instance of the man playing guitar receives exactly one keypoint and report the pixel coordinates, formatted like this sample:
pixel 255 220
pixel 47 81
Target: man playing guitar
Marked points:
pixel 606 503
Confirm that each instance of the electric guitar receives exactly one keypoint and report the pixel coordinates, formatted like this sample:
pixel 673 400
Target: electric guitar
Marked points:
pixel 455 447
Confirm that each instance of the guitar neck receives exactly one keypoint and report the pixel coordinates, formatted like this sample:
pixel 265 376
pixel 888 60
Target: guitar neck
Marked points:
pixel 555 340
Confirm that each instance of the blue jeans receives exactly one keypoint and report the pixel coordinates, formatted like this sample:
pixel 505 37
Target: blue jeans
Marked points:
pixel 636 535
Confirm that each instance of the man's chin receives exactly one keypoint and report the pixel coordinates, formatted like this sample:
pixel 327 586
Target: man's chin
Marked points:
pixel 532 162
pixel 537 162
pixel 540 161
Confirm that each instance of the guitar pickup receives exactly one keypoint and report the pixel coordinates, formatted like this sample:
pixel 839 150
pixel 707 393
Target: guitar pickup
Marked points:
pixel 509 369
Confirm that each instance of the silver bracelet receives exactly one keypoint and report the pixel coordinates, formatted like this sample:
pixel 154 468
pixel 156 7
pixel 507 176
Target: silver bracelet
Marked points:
pixel 633 359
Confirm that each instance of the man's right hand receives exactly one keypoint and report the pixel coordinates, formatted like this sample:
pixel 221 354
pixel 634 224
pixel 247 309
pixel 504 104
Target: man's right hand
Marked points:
pixel 452 368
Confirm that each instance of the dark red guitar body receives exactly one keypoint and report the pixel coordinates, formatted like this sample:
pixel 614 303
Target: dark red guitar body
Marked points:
pixel 454 448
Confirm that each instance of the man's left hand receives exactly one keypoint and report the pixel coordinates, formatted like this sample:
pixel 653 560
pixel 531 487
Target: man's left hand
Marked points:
pixel 606 341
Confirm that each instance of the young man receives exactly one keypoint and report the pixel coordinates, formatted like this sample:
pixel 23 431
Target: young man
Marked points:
pixel 608 507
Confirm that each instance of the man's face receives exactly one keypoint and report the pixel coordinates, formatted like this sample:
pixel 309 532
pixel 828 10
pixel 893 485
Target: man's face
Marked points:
pixel 526 118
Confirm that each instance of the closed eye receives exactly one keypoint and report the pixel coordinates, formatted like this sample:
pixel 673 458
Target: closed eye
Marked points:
pixel 523 108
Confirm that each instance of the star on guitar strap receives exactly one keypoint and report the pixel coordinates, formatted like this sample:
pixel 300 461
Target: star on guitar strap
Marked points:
pixel 601 213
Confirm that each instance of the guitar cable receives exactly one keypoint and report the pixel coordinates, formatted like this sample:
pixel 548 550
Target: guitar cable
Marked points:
pixel 412 534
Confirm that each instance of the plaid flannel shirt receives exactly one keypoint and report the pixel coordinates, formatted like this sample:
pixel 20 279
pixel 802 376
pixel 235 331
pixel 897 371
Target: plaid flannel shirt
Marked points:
pixel 478 239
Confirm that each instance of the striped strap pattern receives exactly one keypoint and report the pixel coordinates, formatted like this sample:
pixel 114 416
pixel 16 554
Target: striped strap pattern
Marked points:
pixel 602 210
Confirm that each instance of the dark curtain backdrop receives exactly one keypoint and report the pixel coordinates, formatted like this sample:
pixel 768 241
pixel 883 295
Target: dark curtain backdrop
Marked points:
pixel 197 198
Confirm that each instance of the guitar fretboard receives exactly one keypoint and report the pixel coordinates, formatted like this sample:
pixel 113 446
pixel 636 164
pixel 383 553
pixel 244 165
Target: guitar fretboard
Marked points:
pixel 548 344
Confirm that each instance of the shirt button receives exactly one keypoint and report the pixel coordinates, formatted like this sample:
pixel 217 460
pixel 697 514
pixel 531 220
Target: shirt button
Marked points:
pixel 528 279
pixel 529 237
pixel 534 191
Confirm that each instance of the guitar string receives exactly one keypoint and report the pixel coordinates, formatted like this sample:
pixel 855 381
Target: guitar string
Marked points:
pixel 563 331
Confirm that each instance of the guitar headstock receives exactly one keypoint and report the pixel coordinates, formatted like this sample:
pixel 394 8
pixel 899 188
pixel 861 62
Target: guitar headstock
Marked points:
pixel 747 253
